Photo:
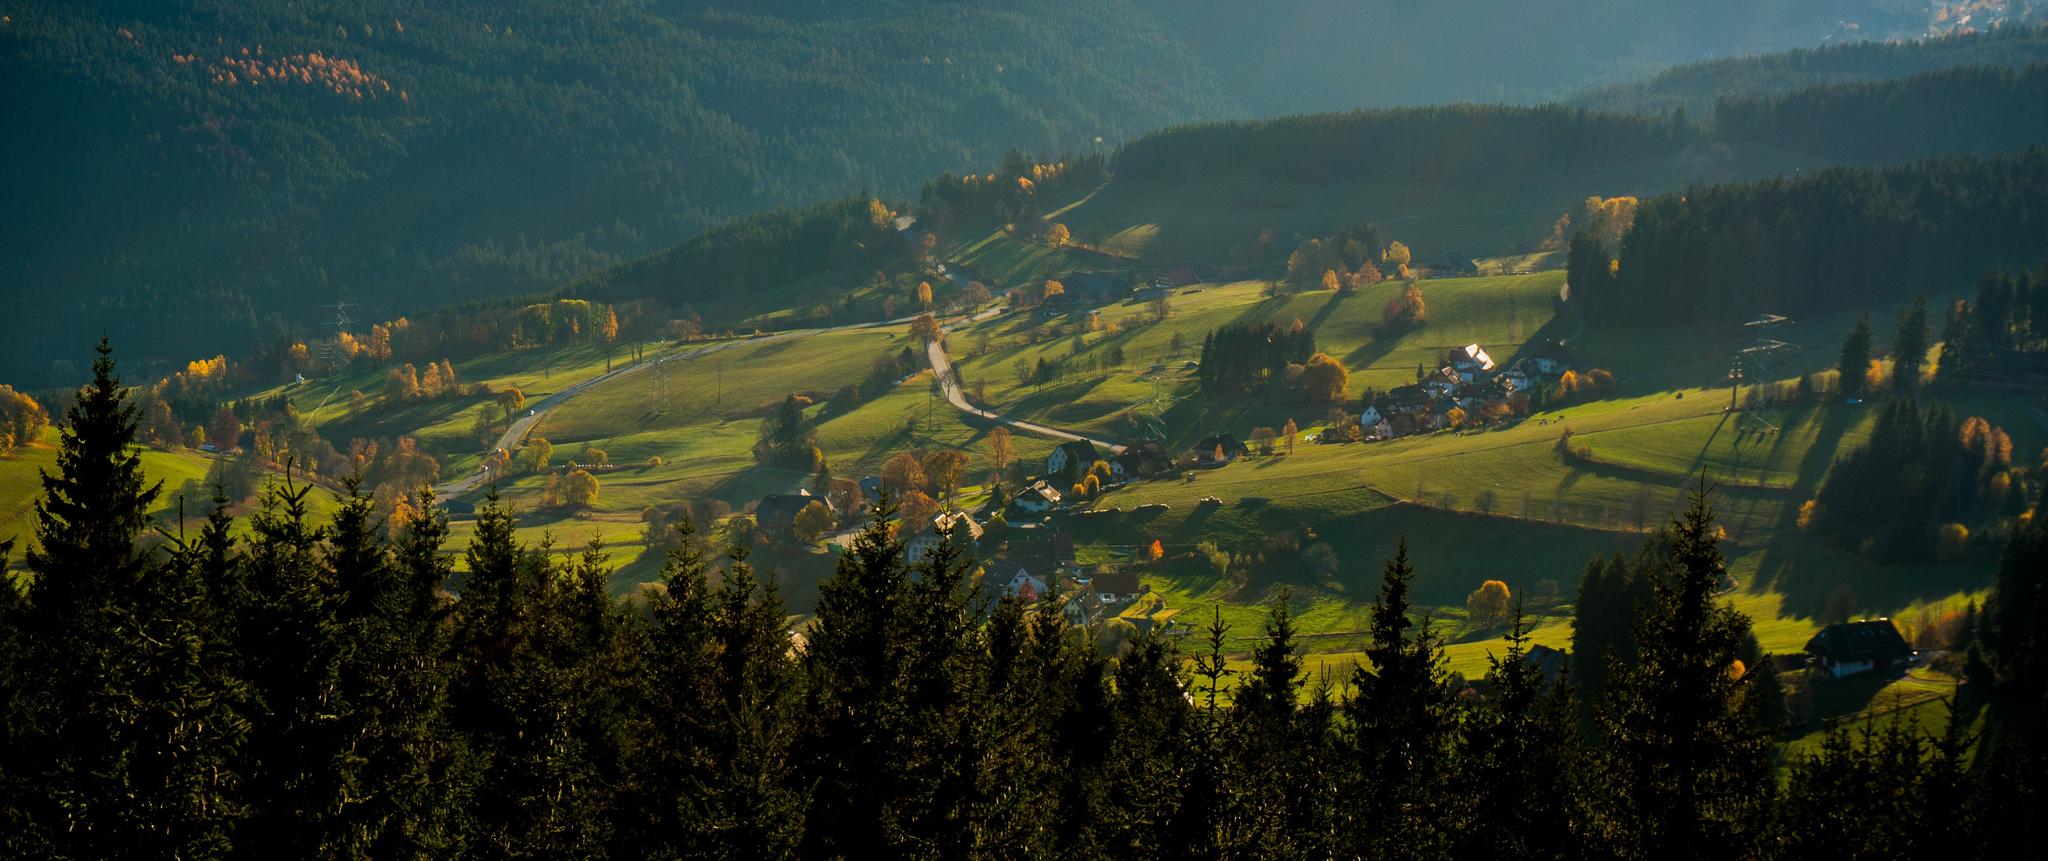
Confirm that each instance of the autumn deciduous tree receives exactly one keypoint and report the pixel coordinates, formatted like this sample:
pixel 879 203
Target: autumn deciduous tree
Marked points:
pixel 579 489
pixel 1330 280
pixel 538 452
pixel 903 474
pixel 812 522
pixel 511 400
pixel 1488 604
pixel 1262 439
pixel 1156 551
pixel 924 294
pixel 917 509
pixel 1052 288
pixel 1396 255
pixel 1323 379
pixel 999 450
pixel 925 328
pixel 1405 311
pixel 942 470
pixel 1057 235
pixel 1288 433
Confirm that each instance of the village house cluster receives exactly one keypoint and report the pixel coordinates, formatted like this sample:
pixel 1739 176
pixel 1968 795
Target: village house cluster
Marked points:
pixel 1468 387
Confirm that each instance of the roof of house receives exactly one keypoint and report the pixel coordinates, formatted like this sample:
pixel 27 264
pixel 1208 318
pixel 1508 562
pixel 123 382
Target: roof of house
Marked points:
pixel 1225 440
pixel 1149 450
pixel 947 521
pixel 1117 582
pixel 1476 355
pixel 1041 490
pixel 1097 282
pixel 1546 660
pixel 1080 451
pixel 1006 570
pixel 1548 349
pixel 782 506
pixel 1859 641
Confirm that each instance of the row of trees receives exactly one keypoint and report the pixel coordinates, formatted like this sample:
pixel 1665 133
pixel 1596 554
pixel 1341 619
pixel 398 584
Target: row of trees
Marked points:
pixel 1245 357
pixel 312 690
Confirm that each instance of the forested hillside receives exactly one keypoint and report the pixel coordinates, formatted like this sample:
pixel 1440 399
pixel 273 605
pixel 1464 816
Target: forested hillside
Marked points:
pixel 1319 55
pixel 1842 239
pixel 204 172
pixel 1695 87
pixel 221 171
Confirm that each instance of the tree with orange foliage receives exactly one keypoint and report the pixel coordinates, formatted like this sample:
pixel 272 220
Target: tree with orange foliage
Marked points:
pixel 1155 552
pixel 924 293
pixel 1323 379
pixel 1058 236
pixel 925 328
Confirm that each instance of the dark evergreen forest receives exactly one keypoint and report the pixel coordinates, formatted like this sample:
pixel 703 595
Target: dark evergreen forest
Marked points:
pixel 337 690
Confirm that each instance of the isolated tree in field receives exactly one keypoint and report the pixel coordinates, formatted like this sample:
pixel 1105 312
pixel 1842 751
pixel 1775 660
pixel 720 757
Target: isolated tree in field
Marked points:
pixel 942 470
pixel 1909 346
pixel 511 401
pixel 924 294
pixel 812 522
pixel 975 294
pixel 1488 604
pixel 902 474
pixel 1330 280
pixel 1288 433
pixel 1058 236
pixel 879 214
pixel 1155 552
pixel 579 489
pixel 925 328
pixel 1405 311
pixel 999 451
pixel 1262 439
pixel 1323 379
pixel 1855 357
pixel 1052 288
pixel 538 452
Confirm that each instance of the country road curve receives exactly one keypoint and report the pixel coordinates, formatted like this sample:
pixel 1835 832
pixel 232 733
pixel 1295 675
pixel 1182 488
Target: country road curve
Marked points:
pixel 942 369
pixel 942 365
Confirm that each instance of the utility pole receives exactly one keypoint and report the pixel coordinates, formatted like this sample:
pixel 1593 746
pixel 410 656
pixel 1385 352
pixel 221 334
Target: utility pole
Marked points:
pixel 1754 363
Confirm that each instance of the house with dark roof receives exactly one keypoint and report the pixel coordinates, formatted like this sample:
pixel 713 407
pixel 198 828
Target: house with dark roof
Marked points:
pixel 1141 460
pixel 1077 454
pixel 1549 357
pixel 1009 577
pixel 1217 450
pixel 1116 587
pixel 777 511
pixel 1849 648
pixel 1097 288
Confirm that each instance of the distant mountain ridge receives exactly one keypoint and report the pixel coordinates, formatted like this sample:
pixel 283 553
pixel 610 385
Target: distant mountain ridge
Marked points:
pixel 199 176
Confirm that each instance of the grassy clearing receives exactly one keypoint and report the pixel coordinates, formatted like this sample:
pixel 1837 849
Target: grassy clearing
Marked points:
pixel 1502 313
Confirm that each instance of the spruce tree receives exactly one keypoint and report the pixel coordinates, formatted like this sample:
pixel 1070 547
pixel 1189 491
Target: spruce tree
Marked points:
pixel 1909 346
pixel 1264 737
pixel 856 658
pixel 1517 758
pixel 1855 359
pixel 1401 728
pixel 1688 765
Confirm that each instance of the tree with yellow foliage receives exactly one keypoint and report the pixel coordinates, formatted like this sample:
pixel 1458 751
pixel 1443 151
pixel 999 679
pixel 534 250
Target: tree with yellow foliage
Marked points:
pixel 924 293
pixel 1488 604
pixel 1330 281
pixel 925 328
pixel 1323 379
pixel 1057 236
pixel 1396 255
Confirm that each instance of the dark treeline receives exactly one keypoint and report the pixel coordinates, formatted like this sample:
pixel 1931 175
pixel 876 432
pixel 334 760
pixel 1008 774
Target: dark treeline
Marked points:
pixel 1457 147
pixel 1695 87
pixel 1959 110
pixel 1841 238
pixel 1244 357
pixel 2000 338
pixel 316 690
pixel 1922 484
